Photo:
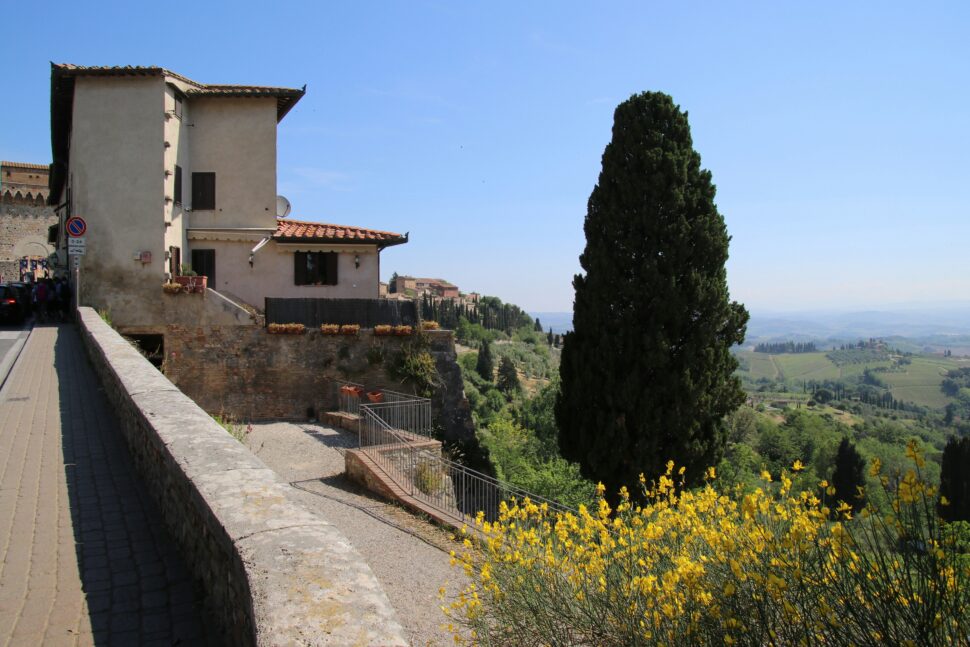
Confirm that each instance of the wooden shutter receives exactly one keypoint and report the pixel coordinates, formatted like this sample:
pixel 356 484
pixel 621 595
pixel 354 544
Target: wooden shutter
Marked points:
pixel 299 268
pixel 203 191
pixel 331 276
pixel 175 261
pixel 178 184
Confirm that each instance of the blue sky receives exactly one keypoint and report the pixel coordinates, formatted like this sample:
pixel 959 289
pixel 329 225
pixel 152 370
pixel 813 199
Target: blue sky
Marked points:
pixel 837 133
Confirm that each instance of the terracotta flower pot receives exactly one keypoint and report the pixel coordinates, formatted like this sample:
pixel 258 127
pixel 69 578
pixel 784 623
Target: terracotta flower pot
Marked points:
pixel 375 396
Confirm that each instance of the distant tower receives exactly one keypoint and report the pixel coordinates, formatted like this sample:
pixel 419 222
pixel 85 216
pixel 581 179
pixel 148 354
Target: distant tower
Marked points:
pixel 25 220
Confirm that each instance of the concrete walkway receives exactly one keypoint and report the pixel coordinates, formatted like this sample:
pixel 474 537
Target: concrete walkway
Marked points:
pixel 85 557
pixel 408 555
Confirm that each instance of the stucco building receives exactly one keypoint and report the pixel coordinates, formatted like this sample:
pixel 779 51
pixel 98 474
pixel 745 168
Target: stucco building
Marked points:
pixel 172 174
pixel 435 287
pixel 25 221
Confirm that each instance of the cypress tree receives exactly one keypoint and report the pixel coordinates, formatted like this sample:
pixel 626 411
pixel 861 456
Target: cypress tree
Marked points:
pixel 955 480
pixel 508 377
pixel 485 365
pixel 647 375
pixel 849 475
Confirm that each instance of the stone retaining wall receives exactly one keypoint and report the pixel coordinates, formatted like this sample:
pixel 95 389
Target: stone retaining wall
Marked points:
pixel 274 573
pixel 247 374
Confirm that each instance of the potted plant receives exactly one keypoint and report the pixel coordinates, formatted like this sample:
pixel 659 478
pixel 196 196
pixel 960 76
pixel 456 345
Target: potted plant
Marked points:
pixel 403 331
pixel 375 396
pixel 350 329
pixel 352 391
pixel 171 288
pixel 430 325
pixel 191 282
pixel 330 329
pixel 382 330
pixel 286 329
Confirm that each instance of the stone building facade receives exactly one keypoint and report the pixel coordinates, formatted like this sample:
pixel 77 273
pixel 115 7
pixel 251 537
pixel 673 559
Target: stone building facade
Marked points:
pixel 25 219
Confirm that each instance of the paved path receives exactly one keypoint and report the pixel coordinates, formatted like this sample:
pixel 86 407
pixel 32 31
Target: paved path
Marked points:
pixel 85 558
pixel 409 556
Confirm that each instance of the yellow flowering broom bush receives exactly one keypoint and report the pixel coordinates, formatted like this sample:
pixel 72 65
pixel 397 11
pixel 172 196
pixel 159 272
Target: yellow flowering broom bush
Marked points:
pixel 702 567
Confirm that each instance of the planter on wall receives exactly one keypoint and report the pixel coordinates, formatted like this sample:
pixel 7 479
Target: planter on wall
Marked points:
pixel 286 329
pixel 375 397
pixel 350 329
pixel 192 283
pixel 353 391
pixel 171 288
pixel 330 329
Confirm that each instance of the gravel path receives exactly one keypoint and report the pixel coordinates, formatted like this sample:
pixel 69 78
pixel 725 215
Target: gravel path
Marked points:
pixel 409 556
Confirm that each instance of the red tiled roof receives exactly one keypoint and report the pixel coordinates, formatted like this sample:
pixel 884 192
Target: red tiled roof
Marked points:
pixel 297 230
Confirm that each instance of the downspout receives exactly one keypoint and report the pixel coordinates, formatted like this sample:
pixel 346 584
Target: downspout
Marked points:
pixel 259 246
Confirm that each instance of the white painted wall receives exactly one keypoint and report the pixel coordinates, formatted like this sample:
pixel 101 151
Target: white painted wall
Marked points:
pixel 236 139
pixel 117 176
pixel 272 271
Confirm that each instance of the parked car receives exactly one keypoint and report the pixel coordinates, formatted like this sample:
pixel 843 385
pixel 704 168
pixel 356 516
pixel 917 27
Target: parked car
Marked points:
pixel 24 296
pixel 10 310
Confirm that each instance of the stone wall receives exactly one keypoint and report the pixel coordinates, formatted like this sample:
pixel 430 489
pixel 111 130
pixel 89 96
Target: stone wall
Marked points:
pixel 274 573
pixel 23 232
pixel 248 374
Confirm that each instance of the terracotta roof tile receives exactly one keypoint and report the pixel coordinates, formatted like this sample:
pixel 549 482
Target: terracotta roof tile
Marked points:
pixel 297 230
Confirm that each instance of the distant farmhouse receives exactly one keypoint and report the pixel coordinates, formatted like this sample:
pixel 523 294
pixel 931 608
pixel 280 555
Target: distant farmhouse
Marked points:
pixel 420 286
pixel 174 176
pixel 25 222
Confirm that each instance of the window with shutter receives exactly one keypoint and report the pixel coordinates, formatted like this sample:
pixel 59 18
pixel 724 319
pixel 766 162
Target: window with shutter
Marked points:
pixel 315 268
pixel 178 184
pixel 203 191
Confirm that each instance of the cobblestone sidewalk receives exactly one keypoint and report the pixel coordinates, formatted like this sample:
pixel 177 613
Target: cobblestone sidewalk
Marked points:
pixel 85 557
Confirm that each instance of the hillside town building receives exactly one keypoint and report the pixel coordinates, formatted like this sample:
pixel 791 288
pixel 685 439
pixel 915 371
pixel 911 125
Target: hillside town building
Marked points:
pixel 420 286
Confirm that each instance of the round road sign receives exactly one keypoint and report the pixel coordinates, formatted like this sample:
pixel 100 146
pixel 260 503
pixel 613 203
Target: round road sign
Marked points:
pixel 76 227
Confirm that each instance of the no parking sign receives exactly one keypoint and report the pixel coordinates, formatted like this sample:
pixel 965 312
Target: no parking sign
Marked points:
pixel 76 226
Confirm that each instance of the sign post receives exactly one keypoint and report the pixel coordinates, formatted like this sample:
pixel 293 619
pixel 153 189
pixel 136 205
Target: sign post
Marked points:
pixel 76 228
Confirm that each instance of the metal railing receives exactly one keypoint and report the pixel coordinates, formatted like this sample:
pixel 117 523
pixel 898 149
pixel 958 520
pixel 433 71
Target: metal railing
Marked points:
pixel 409 416
pixel 414 463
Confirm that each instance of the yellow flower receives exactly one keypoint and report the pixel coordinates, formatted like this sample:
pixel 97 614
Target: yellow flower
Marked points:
pixel 876 468
pixel 797 466
pixel 766 476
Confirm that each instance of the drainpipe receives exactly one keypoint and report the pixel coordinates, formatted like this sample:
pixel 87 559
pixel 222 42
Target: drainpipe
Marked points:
pixel 255 249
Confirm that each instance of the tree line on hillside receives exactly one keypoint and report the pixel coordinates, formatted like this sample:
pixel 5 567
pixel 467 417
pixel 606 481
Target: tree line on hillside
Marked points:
pixel 489 313
pixel 777 348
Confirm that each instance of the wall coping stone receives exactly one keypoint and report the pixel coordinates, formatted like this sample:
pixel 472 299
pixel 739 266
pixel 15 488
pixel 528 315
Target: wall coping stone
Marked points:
pixel 302 583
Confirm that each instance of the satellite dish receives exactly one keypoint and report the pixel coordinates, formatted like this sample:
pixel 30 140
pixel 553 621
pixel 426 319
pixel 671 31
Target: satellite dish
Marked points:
pixel 282 207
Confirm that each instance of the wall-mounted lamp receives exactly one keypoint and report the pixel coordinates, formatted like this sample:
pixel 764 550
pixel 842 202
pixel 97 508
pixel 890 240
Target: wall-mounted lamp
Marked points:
pixel 357 261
